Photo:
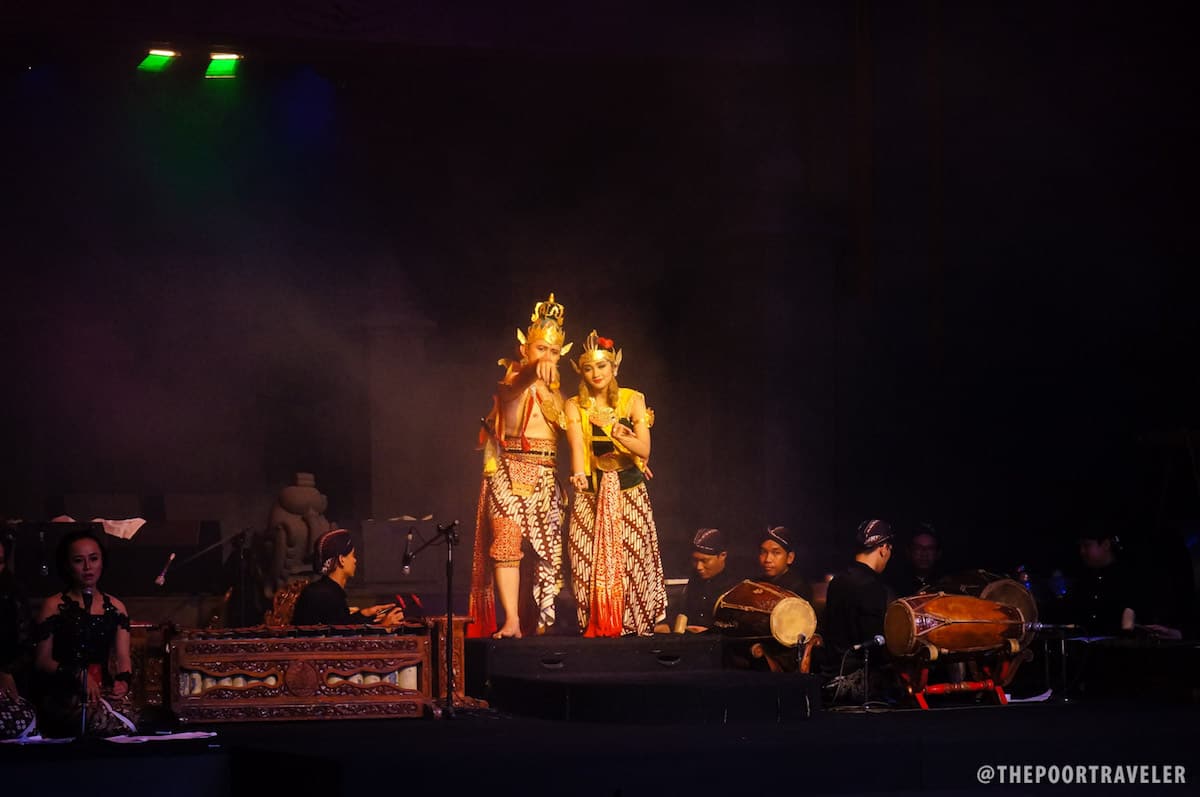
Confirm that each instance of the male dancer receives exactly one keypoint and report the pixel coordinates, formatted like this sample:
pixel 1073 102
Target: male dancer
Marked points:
pixel 520 498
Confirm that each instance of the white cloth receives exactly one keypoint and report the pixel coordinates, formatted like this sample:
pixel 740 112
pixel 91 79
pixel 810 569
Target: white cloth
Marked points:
pixel 161 737
pixel 125 529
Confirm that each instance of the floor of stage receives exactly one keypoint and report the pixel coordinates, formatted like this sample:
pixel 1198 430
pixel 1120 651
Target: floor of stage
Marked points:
pixel 489 752
pixel 660 716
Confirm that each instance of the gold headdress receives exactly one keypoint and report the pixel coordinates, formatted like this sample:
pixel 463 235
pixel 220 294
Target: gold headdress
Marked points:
pixel 596 348
pixel 547 324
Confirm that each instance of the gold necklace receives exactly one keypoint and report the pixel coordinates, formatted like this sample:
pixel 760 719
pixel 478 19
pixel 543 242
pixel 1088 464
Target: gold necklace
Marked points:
pixel 550 405
pixel 602 416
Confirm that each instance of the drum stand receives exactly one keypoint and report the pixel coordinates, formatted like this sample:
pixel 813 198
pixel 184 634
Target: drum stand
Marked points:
pixel 1059 692
pixel 778 658
pixel 914 675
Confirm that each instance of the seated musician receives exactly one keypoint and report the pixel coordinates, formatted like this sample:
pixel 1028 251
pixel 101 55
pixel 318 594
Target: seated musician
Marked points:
pixel 857 601
pixel 920 567
pixel 776 566
pixel 16 646
pixel 323 602
pixel 776 560
pixel 81 633
pixel 710 580
pixel 1110 597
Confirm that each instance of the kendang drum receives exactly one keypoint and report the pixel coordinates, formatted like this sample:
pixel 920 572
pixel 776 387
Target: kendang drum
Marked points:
pixel 994 587
pixel 939 623
pixel 756 609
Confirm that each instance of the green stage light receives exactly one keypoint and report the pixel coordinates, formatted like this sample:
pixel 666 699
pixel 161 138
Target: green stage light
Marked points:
pixel 222 65
pixel 157 60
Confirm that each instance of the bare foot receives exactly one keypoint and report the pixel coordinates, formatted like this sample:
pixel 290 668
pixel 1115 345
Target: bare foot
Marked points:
pixel 508 633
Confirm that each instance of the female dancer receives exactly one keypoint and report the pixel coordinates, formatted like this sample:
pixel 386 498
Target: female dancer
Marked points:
pixel 616 568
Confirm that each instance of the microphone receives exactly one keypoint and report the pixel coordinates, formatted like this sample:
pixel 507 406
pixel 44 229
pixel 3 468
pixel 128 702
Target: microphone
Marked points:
pixel 406 561
pixel 449 531
pixel 87 595
pixel 876 641
pixel 45 568
pixel 1050 627
pixel 162 576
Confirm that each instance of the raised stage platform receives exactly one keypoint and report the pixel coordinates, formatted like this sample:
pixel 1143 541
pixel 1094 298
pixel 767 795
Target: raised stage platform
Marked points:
pixel 663 679
pixel 651 717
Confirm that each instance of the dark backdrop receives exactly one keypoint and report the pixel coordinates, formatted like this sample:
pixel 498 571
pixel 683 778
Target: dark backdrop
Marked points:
pixel 916 261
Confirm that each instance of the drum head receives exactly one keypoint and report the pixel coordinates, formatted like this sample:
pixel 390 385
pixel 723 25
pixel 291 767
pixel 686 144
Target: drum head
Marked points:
pixel 899 628
pixel 1013 593
pixel 791 618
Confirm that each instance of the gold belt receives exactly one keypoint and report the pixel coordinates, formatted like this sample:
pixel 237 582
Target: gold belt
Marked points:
pixel 541 452
pixel 613 460
pixel 537 445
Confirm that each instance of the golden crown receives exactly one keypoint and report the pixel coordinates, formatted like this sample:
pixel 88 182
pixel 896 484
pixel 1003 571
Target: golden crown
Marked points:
pixel 596 348
pixel 547 324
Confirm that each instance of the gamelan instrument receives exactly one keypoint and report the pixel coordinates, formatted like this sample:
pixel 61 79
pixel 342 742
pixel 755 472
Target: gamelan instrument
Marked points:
pixel 756 609
pixel 993 587
pixel 937 623
pixel 980 621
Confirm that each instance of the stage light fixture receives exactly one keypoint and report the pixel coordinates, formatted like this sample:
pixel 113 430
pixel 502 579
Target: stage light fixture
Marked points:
pixel 157 60
pixel 222 65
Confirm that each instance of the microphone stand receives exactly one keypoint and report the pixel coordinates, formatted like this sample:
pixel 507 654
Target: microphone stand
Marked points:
pixel 241 539
pixel 83 702
pixel 208 548
pixel 866 678
pixel 451 540
pixel 81 660
pixel 1062 667
pixel 241 546
pixel 450 532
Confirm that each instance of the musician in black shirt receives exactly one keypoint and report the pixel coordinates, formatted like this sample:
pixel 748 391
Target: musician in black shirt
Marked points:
pixel 776 562
pixel 710 580
pixel 323 602
pixel 1112 596
pixel 920 568
pixel 857 599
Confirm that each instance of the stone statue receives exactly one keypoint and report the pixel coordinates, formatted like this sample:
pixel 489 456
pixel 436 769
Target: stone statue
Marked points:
pixel 296 521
